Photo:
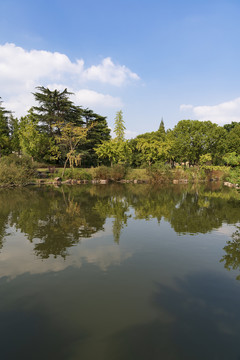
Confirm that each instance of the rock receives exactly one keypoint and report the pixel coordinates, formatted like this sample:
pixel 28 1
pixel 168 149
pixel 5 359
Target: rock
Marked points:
pixel 57 179
pixel 175 181
pixel 103 181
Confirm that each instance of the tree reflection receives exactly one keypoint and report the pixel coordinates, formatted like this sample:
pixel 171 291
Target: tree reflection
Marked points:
pixel 55 219
pixel 232 249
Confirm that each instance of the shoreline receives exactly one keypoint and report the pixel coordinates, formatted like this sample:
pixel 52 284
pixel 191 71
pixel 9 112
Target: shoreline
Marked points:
pixel 57 182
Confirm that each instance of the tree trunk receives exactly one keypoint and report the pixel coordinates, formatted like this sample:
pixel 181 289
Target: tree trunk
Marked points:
pixel 65 164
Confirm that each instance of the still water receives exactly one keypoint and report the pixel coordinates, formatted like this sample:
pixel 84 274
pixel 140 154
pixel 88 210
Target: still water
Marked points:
pixel 120 272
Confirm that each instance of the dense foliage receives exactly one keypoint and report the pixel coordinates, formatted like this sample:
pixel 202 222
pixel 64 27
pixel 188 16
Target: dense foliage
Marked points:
pixel 56 131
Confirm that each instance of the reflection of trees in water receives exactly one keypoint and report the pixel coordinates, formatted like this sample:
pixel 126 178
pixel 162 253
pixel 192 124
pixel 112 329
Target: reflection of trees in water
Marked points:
pixel 116 207
pixel 232 257
pixel 59 218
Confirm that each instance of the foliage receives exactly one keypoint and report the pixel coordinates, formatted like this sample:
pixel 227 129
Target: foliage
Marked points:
pixel 232 159
pixel 114 151
pixel 98 132
pixel 77 174
pixel 204 159
pixel 5 145
pixel 118 172
pixel 114 173
pixel 233 140
pixel 159 173
pixel 35 142
pixel 14 128
pixel 137 174
pixel 54 107
pixel 232 249
pixel 153 151
pixel 234 176
pixel 119 127
pixel 70 136
pixel 16 170
pixel 102 172
pixel 196 138
pixel 50 132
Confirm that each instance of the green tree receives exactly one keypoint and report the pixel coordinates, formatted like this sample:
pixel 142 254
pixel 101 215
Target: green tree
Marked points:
pixel 14 127
pixel 115 151
pixel 98 132
pixel 233 140
pixel 161 129
pixel 232 159
pixel 54 107
pixel 193 138
pixel 34 141
pixel 231 126
pixel 119 128
pixel 4 131
pixel 69 138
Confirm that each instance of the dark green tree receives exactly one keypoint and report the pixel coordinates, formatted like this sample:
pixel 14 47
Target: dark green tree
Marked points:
pixel 98 133
pixel 54 107
pixel 233 140
pixel 14 128
pixel 4 131
pixel 161 129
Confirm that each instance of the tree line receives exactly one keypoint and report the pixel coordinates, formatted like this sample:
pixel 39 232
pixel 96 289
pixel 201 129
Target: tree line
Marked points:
pixel 56 131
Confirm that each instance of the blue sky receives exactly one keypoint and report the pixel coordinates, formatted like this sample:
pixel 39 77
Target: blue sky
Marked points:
pixel 152 59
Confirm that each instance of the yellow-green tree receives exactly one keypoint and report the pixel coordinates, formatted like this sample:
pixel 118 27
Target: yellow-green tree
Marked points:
pixel 70 137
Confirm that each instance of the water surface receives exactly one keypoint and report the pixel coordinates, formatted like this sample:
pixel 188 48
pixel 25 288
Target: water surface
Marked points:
pixel 120 272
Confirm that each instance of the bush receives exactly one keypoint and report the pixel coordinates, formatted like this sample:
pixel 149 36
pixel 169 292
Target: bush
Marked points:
pixel 15 170
pixel 234 176
pixel 160 173
pixel 77 174
pixel 118 172
pixel 115 173
pixel 102 172
pixel 137 174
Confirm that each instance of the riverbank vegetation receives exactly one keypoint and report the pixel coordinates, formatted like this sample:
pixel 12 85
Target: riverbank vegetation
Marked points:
pixel 75 143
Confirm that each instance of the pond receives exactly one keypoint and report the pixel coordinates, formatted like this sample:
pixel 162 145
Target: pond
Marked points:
pixel 120 272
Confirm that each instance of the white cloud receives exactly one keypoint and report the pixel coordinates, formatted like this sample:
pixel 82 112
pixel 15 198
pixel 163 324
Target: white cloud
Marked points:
pixel 108 72
pixel 21 71
pixel 17 255
pixel 222 113
pixel 90 98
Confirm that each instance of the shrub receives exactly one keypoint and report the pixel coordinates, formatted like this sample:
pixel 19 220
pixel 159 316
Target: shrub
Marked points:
pixel 77 174
pixel 102 172
pixel 234 176
pixel 160 172
pixel 115 173
pixel 118 172
pixel 15 170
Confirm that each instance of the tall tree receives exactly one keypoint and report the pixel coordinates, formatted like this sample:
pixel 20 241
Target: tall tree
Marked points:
pixel 34 141
pixel 70 137
pixel 98 132
pixel 119 128
pixel 14 134
pixel 4 131
pixel 193 138
pixel 161 128
pixel 54 107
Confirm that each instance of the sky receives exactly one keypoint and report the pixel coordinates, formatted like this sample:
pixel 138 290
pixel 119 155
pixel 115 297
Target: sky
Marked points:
pixel 152 59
